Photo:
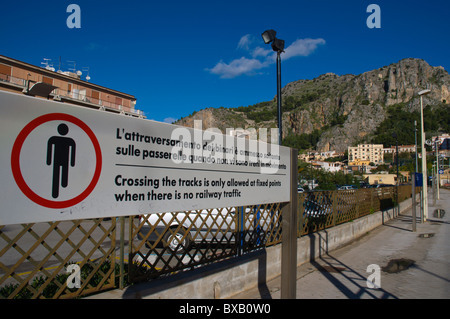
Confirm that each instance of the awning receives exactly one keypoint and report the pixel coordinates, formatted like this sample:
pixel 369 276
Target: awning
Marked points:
pixel 41 89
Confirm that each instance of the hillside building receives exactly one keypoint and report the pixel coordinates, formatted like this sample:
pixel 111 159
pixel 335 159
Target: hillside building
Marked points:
pixel 373 153
pixel 378 179
pixel 332 167
pixel 401 149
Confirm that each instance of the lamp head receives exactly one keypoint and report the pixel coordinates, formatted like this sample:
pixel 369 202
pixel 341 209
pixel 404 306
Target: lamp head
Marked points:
pixel 268 36
pixel 278 45
pixel 424 92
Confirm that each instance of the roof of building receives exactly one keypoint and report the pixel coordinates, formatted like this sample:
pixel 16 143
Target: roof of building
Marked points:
pixel 62 76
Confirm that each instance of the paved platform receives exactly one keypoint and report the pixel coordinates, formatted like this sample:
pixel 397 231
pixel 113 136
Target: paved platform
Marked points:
pixel 423 258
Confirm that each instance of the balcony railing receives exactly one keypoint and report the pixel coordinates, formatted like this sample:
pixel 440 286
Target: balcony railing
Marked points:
pixel 13 80
pixel 73 95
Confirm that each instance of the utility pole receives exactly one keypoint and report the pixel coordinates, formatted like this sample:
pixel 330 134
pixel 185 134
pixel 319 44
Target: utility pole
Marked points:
pixel 424 158
pixel 437 166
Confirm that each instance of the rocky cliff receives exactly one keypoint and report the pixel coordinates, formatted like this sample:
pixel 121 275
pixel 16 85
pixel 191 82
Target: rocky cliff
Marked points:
pixel 345 109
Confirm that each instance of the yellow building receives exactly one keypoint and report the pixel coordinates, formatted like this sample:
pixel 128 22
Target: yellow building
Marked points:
pixel 376 179
pixel 366 152
pixel 359 163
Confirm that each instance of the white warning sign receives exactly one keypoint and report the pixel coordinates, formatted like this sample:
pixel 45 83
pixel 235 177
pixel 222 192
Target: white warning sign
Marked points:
pixel 60 162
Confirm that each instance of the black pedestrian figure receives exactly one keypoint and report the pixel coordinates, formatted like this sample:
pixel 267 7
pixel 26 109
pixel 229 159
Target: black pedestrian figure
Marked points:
pixel 62 149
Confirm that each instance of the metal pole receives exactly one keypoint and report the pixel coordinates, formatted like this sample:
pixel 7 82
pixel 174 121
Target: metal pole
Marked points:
pixel 424 165
pixel 414 203
pixel 437 168
pixel 433 174
pixel 416 168
pixel 398 177
pixel 289 237
pixel 421 204
pixel 280 125
pixel 415 143
pixel 122 253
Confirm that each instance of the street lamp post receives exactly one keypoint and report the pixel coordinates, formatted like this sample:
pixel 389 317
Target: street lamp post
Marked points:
pixel 289 241
pixel 415 146
pixel 437 165
pixel 279 113
pixel 278 46
pixel 424 158
pixel 414 180
pixel 394 135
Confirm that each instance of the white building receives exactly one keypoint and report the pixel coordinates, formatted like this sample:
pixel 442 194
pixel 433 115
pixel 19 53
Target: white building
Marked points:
pixel 401 149
pixel 328 166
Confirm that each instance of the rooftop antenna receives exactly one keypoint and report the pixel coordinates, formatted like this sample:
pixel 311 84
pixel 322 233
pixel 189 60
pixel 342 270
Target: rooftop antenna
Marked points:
pixel 86 69
pixel 74 70
pixel 45 63
pixel 48 66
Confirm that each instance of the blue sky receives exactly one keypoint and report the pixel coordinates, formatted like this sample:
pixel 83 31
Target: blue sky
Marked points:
pixel 177 57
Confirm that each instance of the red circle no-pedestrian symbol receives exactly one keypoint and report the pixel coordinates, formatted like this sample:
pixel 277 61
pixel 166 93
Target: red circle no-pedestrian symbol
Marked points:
pixel 56 160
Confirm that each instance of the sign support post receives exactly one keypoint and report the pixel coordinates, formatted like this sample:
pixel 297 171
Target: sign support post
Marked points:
pixel 289 236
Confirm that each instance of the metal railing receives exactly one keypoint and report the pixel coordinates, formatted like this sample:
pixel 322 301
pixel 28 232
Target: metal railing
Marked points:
pixel 321 210
pixel 74 95
pixel 35 258
pixel 13 80
pixel 166 243
pixel 77 95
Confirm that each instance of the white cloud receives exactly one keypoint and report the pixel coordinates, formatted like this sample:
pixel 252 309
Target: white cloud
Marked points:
pixel 169 120
pixel 302 47
pixel 262 57
pixel 236 67
pixel 244 42
pixel 261 52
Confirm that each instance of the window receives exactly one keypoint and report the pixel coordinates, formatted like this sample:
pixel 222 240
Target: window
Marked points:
pixel 47 80
pixel 5 69
pixel 95 96
pixel 82 95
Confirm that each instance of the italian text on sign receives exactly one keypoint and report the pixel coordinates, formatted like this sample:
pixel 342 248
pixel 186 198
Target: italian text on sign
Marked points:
pixel 61 162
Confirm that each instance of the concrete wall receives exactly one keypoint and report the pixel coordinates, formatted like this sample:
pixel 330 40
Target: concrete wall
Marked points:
pixel 227 278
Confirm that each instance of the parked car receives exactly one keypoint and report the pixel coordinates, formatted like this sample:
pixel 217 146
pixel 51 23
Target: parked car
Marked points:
pixel 316 209
pixel 346 187
pixel 317 205
pixel 300 189
pixel 207 225
pixel 380 185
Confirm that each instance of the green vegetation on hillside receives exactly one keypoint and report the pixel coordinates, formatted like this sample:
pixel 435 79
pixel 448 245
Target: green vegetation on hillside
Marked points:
pixel 302 141
pixel 260 112
pixel 401 121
